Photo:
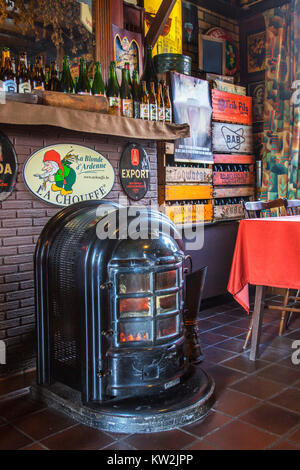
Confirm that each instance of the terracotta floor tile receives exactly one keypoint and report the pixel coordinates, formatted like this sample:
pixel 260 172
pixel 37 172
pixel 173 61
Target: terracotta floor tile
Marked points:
pixel 212 421
pixel 12 439
pixel 271 355
pixel 285 445
pixel 200 445
pixel 234 403
pixel 216 355
pixel 240 436
pixel 34 447
pixel 16 408
pixel 224 318
pixel 280 374
pixel 223 376
pixel 287 362
pixel 210 338
pixel 272 418
pixel 119 445
pixel 169 440
pixel 205 325
pixel 10 384
pixel 257 387
pixel 78 437
pixel 288 399
pixel 43 423
pixel 229 330
pixel 243 364
pixel 295 437
pixel 235 345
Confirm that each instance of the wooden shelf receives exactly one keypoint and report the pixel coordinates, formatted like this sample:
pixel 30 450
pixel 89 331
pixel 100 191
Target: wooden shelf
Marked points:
pixel 85 121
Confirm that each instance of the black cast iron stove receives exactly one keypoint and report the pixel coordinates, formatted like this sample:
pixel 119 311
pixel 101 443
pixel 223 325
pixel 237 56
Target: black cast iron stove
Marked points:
pixel 111 334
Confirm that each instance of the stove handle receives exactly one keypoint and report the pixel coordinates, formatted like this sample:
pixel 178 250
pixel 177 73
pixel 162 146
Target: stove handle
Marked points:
pixel 188 258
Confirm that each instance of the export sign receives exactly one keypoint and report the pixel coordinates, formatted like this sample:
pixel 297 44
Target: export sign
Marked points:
pixel 8 167
pixel 134 171
pixel 64 174
pixel 229 107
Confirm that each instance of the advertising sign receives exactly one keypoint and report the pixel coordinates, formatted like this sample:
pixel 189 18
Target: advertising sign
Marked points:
pixel 134 171
pixel 8 167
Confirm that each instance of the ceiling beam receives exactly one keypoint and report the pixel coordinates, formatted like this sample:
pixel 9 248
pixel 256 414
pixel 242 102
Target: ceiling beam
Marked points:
pixel 159 22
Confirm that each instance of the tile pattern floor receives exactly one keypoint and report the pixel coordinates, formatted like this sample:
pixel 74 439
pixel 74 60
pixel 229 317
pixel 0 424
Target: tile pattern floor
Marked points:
pixel 257 404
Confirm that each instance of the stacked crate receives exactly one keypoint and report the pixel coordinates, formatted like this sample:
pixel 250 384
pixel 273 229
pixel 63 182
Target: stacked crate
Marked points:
pixel 234 169
pixel 185 191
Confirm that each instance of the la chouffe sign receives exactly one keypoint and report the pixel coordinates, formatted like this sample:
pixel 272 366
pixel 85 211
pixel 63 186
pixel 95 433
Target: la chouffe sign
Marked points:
pixel 8 167
pixel 64 174
pixel 134 171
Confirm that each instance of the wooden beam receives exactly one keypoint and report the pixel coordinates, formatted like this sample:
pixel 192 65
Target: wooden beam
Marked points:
pixel 103 35
pixel 159 21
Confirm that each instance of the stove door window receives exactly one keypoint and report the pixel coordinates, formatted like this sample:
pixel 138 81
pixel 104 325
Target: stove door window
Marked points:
pixel 139 332
pixel 133 283
pixel 166 280
pixel 134 307
pixel 167 327
pixel 166 303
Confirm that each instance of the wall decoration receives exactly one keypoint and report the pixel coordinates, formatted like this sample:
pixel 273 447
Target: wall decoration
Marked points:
pixel 192 104
pixel 134 171
pixel 232 60
pixel 8 167
pixel 229 107
pixel 257 91
pixel 127 47
pixel 189 23
pixel 212 54
pixel 64 174
pixel 170 40
pixel 256 52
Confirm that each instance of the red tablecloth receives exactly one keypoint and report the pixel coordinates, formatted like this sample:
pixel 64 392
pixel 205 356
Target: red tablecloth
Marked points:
pixel 267 253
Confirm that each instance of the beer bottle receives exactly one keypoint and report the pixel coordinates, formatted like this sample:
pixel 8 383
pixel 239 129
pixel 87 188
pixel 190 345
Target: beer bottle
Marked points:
pixel 149 73
pixel 135 95
pixel 83 85
pixel 144 102
pixel 126 96
pixel 160 103
pixel 167 103
pixel 128 75
pixel 113 92
pixel 53 83
pixel 66 83
pixel 8 76
pixel 39 78
pixel 152 103
pixel 23 79
pixel 98 88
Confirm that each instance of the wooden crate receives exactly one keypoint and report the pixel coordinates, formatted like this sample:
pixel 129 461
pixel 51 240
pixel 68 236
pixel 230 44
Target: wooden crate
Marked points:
pixel 235 191
pixel 189 213
pixel 188 175
pixel 229 107
pixel 229 87
pixel 184 192
pixel 235 159
pixel 232 138
pixel 233 177
pixel 228 211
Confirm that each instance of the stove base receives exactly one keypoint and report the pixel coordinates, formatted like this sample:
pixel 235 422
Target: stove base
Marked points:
pixel 181 405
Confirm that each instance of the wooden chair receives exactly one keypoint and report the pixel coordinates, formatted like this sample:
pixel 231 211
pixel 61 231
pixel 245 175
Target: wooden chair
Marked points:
pixel 254 209
pixel 293 206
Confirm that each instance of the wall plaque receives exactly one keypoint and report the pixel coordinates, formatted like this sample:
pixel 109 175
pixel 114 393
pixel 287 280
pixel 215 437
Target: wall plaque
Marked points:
pixel 134 171
pixel 8 167
pixel 64 174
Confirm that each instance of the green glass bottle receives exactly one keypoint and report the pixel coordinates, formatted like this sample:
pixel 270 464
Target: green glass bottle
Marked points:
pixel 83 85
pixel 98 88
pixel 113 92
pixel 66 83
pixel 127 67
pixel 149 73
pixel 126 96
pixel 136 94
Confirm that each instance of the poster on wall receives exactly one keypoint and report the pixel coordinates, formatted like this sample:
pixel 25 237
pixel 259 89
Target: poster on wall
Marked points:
pixel 8 167
pixel 256 52
pixel 134 171
pixel 170 40
pixel 64 174
pixel 192 105
pixel 127 47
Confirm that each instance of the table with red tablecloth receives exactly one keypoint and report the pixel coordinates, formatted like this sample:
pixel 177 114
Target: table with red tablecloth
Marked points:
pixel 267 253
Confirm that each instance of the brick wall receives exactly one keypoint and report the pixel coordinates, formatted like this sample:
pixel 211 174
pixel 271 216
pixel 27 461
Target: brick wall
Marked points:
pixel 22 218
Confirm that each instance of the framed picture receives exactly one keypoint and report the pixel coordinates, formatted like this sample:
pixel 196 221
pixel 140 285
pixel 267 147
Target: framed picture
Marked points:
pixel 212 54
pixel 256 52
pixel 127 47
pixel 257 91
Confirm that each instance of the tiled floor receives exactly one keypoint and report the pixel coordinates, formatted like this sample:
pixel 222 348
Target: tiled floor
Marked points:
pixel 257 404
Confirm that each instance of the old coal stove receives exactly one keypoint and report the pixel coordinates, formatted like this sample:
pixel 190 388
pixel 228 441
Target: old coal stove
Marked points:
pixel 111 335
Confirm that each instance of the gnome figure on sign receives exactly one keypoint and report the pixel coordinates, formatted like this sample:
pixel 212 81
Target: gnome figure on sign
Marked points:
pixel 58 172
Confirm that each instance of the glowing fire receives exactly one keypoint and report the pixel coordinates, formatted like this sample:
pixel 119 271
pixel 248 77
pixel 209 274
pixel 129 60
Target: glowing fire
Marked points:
pixel 130 338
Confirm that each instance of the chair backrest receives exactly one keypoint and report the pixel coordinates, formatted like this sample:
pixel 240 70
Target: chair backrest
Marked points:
pixel 293 207
pixel 253 209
